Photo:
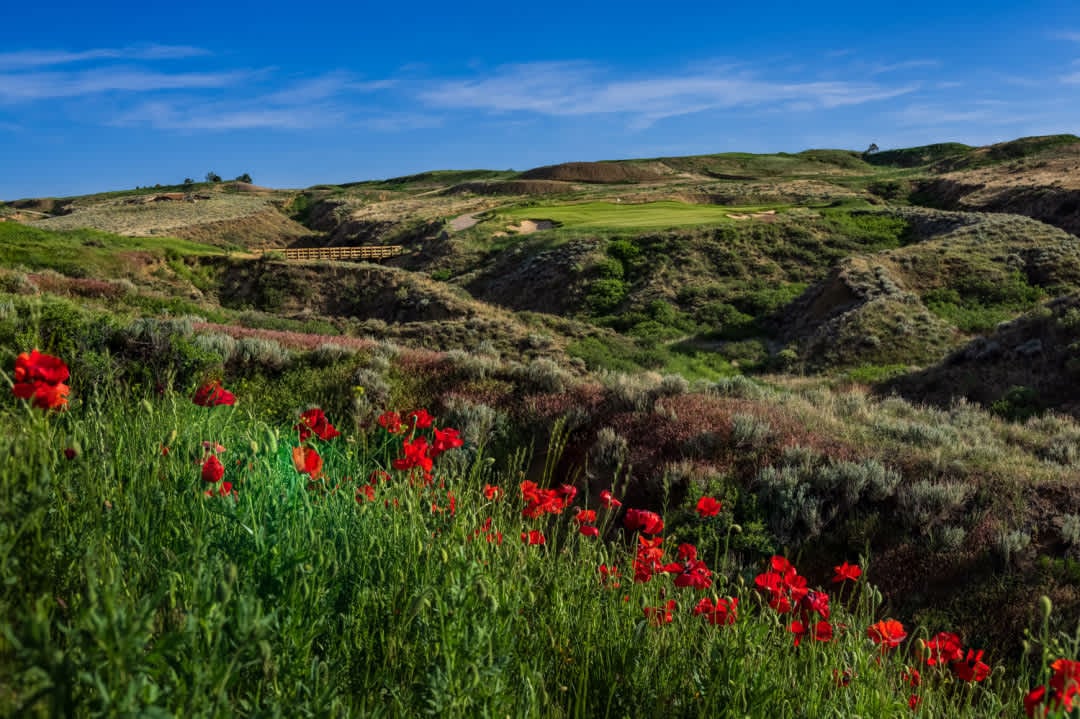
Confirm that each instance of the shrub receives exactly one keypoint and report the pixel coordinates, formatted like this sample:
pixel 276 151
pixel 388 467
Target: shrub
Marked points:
pixel 328 354
pixel 478 423
pixel 1017 404
pixel 629 392
pixel 604 295
pixel 802 495
pixel 222 345
pixel 738 386
pixel 262 353
pixel 1069 529
pixel 1010 544
pixel 473 366
pixel 925 504
pixel 748 432
pixel 541 375
pixel 949 538
pixel 610 450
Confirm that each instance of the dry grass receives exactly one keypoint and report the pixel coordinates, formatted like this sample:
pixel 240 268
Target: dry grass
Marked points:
pixel 156 218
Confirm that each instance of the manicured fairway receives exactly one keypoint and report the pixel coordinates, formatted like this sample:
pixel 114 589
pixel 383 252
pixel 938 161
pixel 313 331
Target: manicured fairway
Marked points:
pixel 650 215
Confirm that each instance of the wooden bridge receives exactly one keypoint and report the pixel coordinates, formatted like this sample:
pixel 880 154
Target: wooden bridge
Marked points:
pixel 364 252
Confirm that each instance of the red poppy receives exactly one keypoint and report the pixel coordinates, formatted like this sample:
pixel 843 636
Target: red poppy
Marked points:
pixel 821 632
pixel 307 461
pixel 609 576
pixel 1037 698
pixel 911 676
pixel 690 574
pixel 39 377
pixel 972 668
pixel 589 530
pixel 419 419
pixel 608 501
pixel 816 602
pixel 642 520
pixel 721 612
pixel 71 453
pixel 533 536
pixel 658 616
pixel 846 572
pixel 913 702
pixel 842 679
pixel 212 394
pixel 649 558
pixel 366 491
pixel 943 648
pixel 445 439
pixel 416 455
pixel 378 475
pixel 45 396
pixel 212 469
pixel 1066 679
pixel 709 507
pixel 888 633
pixel 37 366
pixel 782 565
pixel 686 552
pixel 544 501
pixel 391 422
pixel 313 421
pixel 223 490
pixel 783 585
pixel 491 492
pixel 584 516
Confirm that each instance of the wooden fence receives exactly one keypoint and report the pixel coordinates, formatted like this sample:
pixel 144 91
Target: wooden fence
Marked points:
pixel 365 252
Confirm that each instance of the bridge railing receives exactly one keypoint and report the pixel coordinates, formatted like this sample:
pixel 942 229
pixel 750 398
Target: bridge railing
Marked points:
pixel 365 252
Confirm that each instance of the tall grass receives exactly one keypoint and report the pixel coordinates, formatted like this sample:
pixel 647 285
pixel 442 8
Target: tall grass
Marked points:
pixel 129 592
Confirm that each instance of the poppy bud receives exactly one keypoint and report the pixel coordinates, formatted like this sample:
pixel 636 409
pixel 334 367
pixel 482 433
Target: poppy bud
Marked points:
pixel 1046 606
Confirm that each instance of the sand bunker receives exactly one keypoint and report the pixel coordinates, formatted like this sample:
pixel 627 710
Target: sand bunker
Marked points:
pixel 768 216
pixel 529 226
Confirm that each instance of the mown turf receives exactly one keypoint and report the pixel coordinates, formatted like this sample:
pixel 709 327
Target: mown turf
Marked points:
pixel 644 216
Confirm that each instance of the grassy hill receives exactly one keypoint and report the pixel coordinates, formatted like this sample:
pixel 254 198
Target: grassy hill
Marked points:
pixel 858 353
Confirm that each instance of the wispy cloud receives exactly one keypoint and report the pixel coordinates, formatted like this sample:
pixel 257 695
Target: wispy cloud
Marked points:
pixel 25 87
pixel 1071 79
pixel 579 88
pixel 983 112
pixel 306 104
pixel 177 116
pixel 1068 35
pixel 881 69
pixel 25 59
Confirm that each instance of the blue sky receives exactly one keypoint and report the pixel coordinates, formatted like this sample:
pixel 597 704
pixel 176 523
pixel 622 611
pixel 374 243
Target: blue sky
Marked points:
pixel 111 95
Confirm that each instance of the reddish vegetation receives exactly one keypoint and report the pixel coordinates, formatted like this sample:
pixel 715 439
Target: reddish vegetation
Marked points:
pixel 76 286
pixel 292 340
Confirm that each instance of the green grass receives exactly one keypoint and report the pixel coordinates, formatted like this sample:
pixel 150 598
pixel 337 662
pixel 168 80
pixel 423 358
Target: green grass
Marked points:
pixel 82 253
pixel 129 592
pixel 644 216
